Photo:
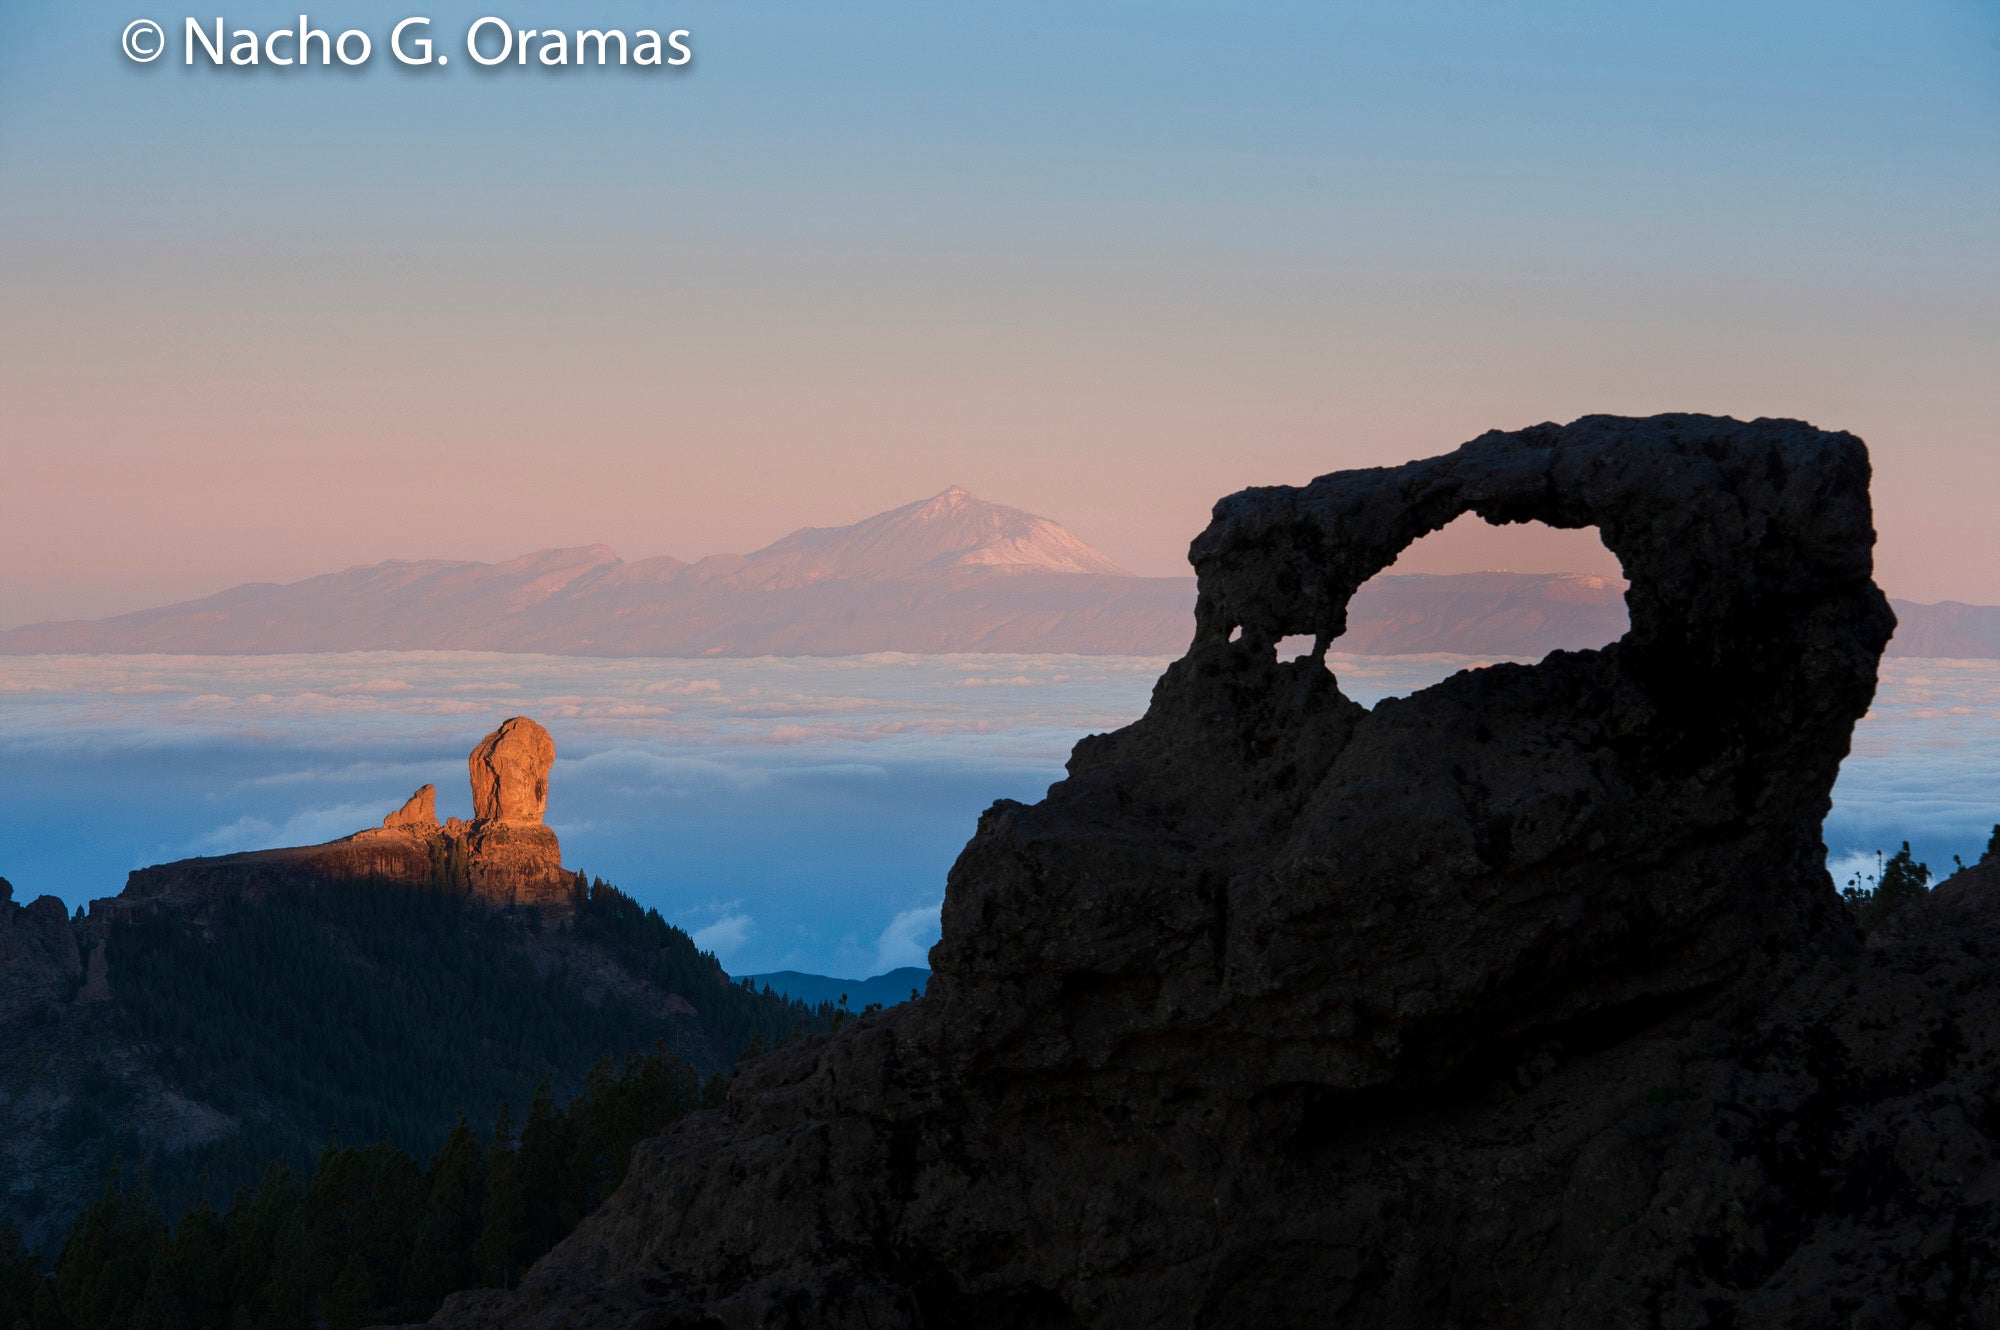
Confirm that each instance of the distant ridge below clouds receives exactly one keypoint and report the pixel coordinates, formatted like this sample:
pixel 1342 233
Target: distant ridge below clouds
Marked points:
pixel 887 989
pixel 952 573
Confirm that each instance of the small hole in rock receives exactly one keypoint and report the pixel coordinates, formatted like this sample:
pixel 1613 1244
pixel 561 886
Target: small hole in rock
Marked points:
pixel 1470 595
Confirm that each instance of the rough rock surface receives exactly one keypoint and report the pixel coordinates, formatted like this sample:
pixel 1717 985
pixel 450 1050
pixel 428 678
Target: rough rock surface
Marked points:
pixel 510 773
pixel 1522 1001
pixel 505 855
pixel 419 811
pixel 40 962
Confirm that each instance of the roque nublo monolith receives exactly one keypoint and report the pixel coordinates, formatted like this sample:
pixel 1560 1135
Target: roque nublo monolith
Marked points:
pixel 503 856
pixel 510 773
pixel 1525 1000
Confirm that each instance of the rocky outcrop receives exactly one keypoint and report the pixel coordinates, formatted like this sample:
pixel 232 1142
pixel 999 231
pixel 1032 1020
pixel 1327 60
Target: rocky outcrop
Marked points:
pixel 1525 1000
pixel 510 773
pixel 41 964
pixel 504 856
pixel 419 811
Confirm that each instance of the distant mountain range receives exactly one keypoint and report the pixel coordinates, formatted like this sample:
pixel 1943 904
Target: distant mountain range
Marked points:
pixel 812 989
pixel 951 573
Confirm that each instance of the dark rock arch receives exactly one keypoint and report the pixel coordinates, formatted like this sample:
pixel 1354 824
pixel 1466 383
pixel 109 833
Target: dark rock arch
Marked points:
pixel 1647 813
pixel 1278 1011
pixel 1724 529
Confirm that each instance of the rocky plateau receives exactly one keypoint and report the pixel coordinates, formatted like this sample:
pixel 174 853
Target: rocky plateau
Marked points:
pixel 503 856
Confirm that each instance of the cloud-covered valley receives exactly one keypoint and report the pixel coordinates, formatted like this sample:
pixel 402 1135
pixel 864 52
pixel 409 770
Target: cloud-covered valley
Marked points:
pixel 792 812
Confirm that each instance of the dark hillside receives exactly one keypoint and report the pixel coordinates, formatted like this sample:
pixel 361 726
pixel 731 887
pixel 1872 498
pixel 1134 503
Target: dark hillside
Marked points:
pixel 230 1032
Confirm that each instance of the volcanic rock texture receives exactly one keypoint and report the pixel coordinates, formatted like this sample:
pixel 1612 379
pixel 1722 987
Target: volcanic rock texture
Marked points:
pixel 1522 1001
pixel 419 811
pixel 510 773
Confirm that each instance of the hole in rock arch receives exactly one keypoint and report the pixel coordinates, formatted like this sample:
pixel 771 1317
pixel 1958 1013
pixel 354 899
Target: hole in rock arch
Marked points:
pixel 1472 594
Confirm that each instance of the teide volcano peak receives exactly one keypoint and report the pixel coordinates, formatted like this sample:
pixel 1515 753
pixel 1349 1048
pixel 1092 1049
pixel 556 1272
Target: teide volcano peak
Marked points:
pixel 949 573
pixel 953 529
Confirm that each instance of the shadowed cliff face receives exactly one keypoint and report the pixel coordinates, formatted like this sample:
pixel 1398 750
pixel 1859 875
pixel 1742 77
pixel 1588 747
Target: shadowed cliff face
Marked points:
pixel 1280 1010
pixel 1347 898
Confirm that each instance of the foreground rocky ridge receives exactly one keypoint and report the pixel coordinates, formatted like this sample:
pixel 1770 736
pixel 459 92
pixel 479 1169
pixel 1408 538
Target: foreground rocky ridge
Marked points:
pixel 1524 1001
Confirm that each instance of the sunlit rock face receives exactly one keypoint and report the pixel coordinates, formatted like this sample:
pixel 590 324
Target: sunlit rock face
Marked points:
pixel 504 856
pixel 510 773
pixel 419 811
pixel 1521 1001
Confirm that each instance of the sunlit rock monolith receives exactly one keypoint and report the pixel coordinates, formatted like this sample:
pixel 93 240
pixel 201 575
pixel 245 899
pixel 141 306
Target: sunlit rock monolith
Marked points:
pixel 510 773
pixel 504 856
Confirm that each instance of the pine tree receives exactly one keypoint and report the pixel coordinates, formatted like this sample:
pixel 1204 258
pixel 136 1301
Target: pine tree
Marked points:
pixel 188 1288
pixel 441 1258
pixel 265 1251
pixel 544 1152
pixel 1895 883
pixel 20 1279
pixel 503 1210
pixel 104 1268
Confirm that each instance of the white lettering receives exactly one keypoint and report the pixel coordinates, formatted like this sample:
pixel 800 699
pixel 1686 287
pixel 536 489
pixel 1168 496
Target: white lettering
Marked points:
pixel 506 41
pixel 196 34
pixel 307 33
pixel 422 54
pixel 600 37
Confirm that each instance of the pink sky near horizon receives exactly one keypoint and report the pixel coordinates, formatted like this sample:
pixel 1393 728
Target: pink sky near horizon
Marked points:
pixel 269 444
pixel 260 328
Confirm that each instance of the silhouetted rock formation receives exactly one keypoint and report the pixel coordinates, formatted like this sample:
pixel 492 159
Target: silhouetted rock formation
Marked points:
pixel 504 855
pixel 40 962
pixel 1525 1000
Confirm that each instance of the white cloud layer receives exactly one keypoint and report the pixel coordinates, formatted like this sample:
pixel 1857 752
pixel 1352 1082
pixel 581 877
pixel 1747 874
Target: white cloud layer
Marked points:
pixel 308 826
pixel 726 936
pixel 908 939
pixel 824 793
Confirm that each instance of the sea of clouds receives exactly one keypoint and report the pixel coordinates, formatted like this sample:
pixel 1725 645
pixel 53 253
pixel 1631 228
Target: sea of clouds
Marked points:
pixel 790 813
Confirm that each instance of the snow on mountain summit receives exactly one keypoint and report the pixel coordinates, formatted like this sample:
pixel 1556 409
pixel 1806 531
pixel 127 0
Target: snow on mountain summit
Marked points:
pixel 952 529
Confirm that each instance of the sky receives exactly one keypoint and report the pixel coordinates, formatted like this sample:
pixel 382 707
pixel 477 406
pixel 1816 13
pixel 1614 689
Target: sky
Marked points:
pixel 1101 259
